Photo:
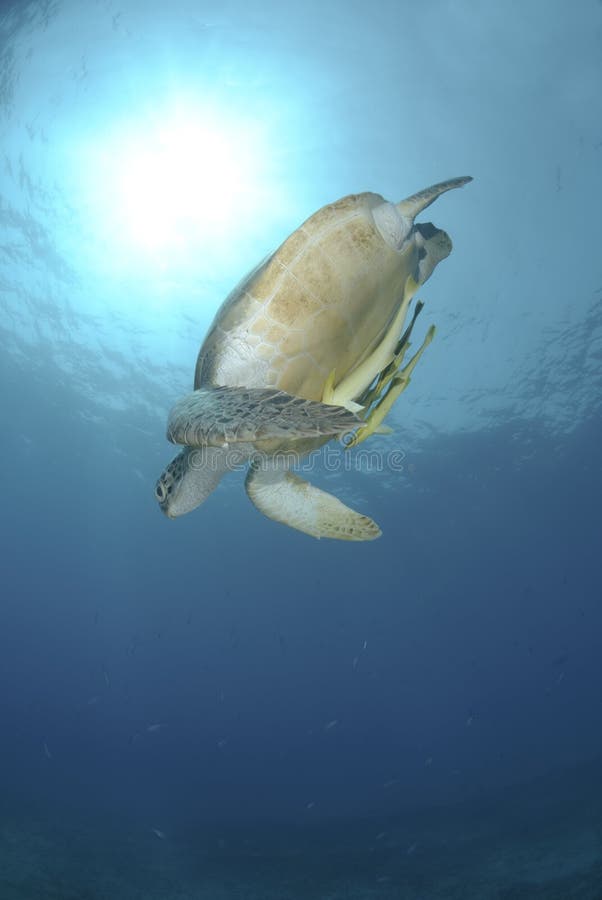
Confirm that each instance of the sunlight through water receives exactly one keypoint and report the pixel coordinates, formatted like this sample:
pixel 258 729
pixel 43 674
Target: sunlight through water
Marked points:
pixel 166 185
pixel 184 182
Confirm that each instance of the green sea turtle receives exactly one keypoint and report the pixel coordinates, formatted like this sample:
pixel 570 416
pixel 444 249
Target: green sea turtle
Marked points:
pixel 308 347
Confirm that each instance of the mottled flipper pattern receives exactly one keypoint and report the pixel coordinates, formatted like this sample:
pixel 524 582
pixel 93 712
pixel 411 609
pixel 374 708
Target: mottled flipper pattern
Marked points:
pixel 230 415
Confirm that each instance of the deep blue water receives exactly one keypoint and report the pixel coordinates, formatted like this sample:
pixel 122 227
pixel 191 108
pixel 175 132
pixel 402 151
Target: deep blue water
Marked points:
pixel 219 706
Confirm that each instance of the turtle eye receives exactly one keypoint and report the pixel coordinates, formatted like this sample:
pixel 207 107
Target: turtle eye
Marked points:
pixel 160 492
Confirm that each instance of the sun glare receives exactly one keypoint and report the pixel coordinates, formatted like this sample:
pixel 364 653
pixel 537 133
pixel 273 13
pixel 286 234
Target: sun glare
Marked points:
pixel 183 183
pixel 190 179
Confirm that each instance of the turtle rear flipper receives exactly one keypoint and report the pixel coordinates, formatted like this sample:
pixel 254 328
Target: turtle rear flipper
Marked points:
pixel 283 496
pixel 218 416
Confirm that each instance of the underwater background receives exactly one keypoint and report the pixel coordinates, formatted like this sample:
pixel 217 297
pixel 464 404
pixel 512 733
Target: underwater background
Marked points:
pixel 220 707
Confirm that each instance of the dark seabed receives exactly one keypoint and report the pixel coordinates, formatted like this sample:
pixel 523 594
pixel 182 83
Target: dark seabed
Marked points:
pixel 220 707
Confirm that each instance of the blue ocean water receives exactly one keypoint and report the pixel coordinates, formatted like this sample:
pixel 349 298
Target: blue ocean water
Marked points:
pixel 219 706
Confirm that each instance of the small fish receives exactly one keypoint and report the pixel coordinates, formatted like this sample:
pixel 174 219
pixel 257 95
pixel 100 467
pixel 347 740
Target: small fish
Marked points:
pixel 106 677
pixel 310 805
pixel 222 743
pixel 411 849
pixel 390 782
pixel 560 660
pixel 381 836
pixel 157 726
pixel 330 725
pixel 469 721
pixel 47 752
pixel 428 761
pixel 160 834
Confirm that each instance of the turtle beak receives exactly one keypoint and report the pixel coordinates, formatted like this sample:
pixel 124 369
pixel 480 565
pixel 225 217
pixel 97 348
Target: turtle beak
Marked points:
pixel 167 511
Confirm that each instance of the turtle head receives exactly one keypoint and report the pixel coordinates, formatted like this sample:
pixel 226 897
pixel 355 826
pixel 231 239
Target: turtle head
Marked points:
pixel 171 487
pixel 189 479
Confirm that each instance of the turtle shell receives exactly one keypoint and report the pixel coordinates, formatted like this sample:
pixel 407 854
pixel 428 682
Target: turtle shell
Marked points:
pixel 322 301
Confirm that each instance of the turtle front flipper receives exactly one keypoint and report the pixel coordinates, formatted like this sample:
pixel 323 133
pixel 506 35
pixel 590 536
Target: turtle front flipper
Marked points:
pixel 219 416
pixel 283 496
